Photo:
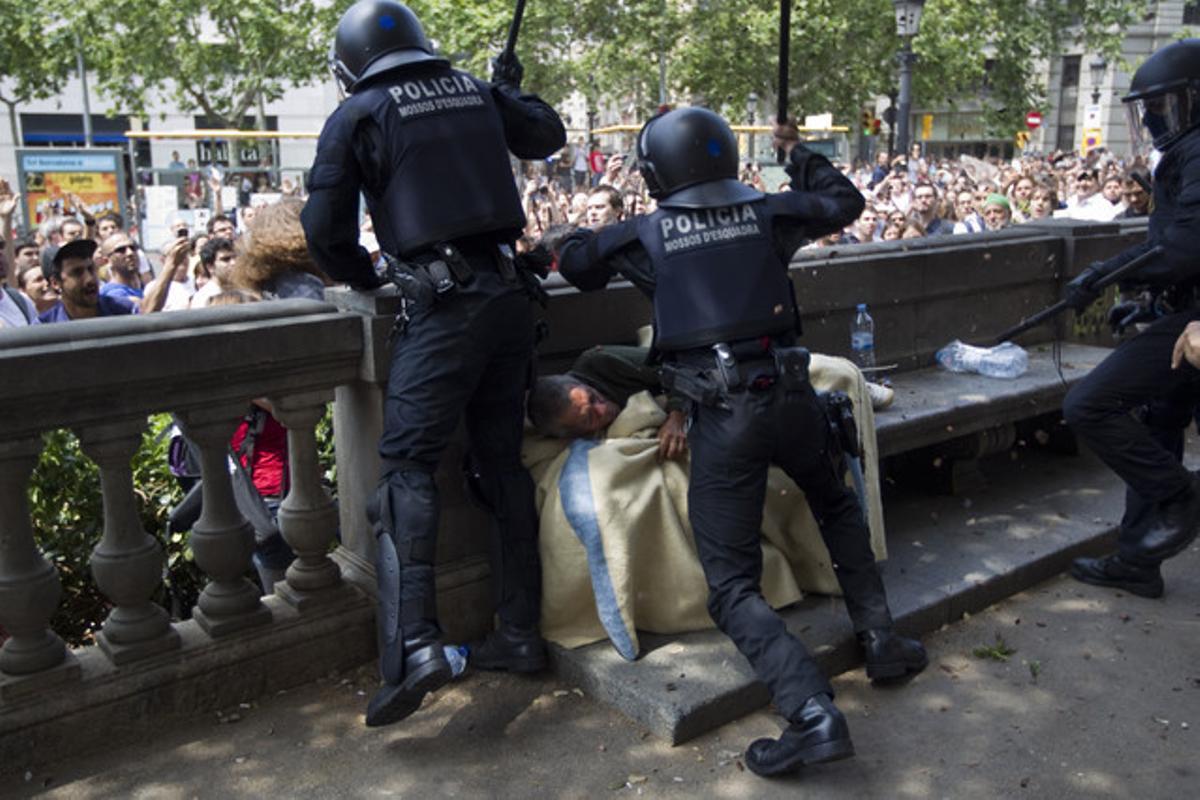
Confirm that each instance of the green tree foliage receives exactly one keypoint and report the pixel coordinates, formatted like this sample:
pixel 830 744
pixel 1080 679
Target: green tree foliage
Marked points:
pixel 37 54
pixel 843 52
pixel 959 37
pixel 217 57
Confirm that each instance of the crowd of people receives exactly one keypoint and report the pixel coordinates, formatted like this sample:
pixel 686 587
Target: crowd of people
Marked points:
pixel 907 196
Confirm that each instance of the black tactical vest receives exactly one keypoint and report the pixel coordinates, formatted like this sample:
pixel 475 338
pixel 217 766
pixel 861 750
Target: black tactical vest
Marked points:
pixel 444 165
pixel 717 277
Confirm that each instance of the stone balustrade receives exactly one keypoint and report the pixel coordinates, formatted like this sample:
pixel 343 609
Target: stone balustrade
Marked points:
pixel 102 378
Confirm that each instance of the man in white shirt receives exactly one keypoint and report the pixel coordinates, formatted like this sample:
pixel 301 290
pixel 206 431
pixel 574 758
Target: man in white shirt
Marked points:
pixel 16 310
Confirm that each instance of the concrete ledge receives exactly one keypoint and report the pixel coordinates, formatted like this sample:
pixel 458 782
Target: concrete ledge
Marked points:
pixel 204 674
pixel 948 556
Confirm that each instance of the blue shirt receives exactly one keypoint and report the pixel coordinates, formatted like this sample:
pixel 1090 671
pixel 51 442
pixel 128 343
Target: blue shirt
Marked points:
pixel 125 295
pixel 108 307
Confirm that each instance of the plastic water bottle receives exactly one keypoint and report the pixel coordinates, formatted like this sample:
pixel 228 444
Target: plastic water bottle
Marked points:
pixel 457 655
pixel 862 338
pixel 1003 361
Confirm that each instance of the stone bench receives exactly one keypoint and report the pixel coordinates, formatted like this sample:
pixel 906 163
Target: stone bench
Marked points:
pixel 922 295
pixel 942 423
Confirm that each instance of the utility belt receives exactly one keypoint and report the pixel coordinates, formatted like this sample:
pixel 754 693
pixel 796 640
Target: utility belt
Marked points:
pixel 446 267
pixel 710 378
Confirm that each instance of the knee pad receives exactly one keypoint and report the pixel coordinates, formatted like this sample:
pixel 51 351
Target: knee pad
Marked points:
pixel 404 509
pixel 391 646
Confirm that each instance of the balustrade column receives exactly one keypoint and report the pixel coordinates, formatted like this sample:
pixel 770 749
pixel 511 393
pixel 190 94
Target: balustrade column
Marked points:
pixel 307 517
pixel 127 563
pixel 29 586
pixel 222 540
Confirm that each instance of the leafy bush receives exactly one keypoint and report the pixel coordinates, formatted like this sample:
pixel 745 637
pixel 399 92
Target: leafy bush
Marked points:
pixel 68 521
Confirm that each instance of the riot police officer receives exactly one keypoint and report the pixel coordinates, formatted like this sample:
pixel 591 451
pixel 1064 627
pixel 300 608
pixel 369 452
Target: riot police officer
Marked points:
pixel 429 147
pixel 713 258
pixel 1163 499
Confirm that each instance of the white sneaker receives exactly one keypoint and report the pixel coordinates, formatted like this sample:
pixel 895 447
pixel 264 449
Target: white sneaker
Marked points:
pixel 881 396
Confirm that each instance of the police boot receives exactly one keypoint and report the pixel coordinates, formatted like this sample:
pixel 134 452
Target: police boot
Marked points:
pixel 1119 574
pixel 817 733
pixel 425 670
pixel 511 648
pixel 890 656
pixel 1172 527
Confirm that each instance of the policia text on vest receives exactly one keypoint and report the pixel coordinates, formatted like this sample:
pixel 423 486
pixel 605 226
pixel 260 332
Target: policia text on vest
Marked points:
pixel 688 229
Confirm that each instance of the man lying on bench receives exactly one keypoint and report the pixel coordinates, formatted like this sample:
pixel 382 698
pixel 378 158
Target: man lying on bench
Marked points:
pixel 609 459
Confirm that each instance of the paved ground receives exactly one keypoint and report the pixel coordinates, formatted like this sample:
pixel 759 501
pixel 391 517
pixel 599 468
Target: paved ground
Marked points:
pixel 1100 698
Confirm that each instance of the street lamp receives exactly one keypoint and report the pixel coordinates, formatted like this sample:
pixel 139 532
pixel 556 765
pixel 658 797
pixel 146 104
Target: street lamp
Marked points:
pixel 1098 68
pixel 908 23
pixel 751 113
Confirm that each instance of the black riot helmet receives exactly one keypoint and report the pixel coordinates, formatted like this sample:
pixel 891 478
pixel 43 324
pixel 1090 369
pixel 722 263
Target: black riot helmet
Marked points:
pixel 689 158
pixel 1164 96
pixel 374 36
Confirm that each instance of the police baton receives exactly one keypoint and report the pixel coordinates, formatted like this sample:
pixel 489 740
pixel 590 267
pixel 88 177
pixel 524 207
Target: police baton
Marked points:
pixel 785 42
pixel 1061 305
pixel 510 44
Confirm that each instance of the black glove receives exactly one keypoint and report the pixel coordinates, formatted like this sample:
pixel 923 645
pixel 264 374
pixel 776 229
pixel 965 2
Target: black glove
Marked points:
pixel 1128 312
pixel 1079 294
pixel 367 284
pixel 539 260
pixel 507 70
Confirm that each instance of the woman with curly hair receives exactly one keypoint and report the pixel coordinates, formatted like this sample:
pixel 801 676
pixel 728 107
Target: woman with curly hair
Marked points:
pixel 273 257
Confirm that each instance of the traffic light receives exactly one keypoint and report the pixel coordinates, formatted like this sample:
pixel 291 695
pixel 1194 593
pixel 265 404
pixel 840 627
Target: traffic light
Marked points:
pixel 877 126
pixel 866 122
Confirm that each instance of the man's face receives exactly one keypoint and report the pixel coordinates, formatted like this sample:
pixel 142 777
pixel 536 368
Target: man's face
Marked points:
pixel 590 412
pixel 1136 197
pixel 1085 185
pixel 995 216
pixel 71 230
pixel 1023 189
pixel 121 253
pixel 34 284
pixel 78 283
pixel 964 205
pixel 1112 190
pixel 1040 204
pixel 866 223
pixel 924 199
pixel 223 266
pixel 106 228
pixel 25 258
pixel 600 211
pixel 223 229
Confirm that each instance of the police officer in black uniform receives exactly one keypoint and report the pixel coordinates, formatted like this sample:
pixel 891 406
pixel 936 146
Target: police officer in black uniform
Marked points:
pixel 429 147
pixel 714 258
pixel 1163 499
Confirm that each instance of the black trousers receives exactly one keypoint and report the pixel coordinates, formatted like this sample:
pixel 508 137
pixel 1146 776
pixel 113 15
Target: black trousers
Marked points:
pixel 731 450
pixel 468 355
pixel 1144 451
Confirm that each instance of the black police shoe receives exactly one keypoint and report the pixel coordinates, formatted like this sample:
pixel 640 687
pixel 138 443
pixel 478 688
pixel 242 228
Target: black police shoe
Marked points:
pixel 1113 571
pixel 425 670
pixel 890 656
pixel 1173 526
pixel 817 734
pixel 512 648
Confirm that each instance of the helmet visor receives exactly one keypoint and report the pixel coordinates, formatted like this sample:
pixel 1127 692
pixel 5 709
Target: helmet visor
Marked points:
pixel 1155 122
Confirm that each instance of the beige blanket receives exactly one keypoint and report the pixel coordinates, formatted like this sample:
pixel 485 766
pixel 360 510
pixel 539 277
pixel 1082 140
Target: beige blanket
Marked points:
pixel 617 549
